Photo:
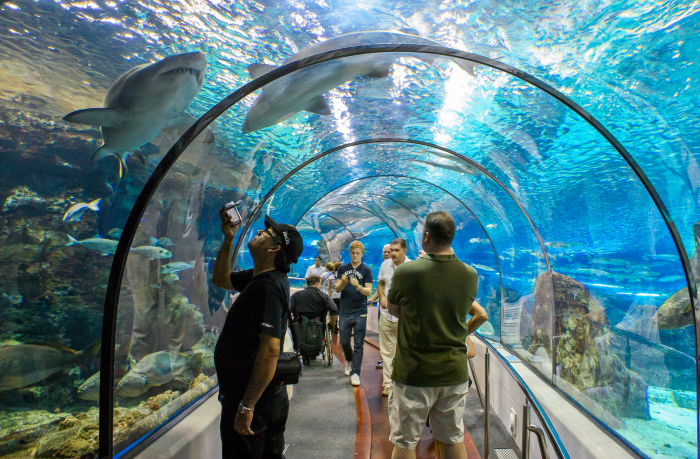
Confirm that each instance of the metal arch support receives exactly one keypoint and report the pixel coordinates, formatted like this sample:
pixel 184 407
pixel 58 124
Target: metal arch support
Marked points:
pixel 366 210
pixel 321 155
pixel 385 197
pixel 109 321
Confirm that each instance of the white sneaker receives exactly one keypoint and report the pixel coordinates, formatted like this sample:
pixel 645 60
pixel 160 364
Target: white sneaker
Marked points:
pixel 348 369
pixel 355 379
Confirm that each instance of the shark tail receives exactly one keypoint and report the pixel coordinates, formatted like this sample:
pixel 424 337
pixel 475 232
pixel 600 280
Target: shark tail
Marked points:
pixel 95 205
pixel 72 241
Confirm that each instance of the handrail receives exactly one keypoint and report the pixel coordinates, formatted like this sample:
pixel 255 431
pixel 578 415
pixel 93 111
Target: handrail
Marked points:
pixel 557 444
pixel 537 430
pixel 631 335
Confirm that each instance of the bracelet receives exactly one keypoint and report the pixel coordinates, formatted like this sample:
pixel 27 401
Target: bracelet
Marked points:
pixel 244 409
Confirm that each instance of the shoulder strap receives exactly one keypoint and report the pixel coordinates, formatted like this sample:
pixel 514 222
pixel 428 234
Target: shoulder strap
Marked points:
pixel 289 325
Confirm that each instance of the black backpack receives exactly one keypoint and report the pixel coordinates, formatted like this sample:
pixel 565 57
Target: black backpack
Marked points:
pixel 309 335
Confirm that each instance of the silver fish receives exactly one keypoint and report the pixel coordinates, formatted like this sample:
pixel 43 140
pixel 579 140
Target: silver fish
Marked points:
pixel 152 252
pixel 115 233
pixel 90 389
pixel 156 369
pixel 174 267
pixel 142 101
pixel 76 211
pixel 26 364
pixel 482 267
pixel 105 246
pixel 459 168
pixel 304 89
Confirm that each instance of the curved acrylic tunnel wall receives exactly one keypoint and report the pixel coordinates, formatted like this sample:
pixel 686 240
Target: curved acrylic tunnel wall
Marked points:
pixel 533 186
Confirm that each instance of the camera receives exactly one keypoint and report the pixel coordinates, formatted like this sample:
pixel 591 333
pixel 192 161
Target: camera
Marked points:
pixel 232 212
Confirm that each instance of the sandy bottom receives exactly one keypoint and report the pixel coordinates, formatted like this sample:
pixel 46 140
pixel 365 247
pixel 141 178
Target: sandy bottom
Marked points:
pixel 671 432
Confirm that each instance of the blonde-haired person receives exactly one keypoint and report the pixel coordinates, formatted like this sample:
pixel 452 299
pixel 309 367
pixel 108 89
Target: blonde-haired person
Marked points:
pixel 354 283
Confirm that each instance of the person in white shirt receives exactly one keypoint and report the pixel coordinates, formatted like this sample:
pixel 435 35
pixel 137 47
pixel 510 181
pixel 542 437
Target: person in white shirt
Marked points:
pixel 316 269
pixel 388 324
pixel 386 254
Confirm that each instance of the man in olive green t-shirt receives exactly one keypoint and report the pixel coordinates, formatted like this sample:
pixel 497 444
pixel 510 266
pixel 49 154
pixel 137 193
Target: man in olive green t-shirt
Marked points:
pixel 432 297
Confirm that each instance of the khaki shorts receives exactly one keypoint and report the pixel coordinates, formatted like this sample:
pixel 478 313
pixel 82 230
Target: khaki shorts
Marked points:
pixel 410 406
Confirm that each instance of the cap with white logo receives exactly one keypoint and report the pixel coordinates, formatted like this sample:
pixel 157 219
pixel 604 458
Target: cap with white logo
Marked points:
pixel 292 242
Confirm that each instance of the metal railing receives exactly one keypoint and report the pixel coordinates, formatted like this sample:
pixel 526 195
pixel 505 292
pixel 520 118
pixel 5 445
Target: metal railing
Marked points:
pixel 531 403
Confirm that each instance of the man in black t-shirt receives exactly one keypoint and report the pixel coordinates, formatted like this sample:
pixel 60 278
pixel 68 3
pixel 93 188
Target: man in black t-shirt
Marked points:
pixel 355 285
pixel 254 414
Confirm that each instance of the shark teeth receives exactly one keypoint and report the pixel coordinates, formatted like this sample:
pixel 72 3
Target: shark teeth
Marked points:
pixel 177 70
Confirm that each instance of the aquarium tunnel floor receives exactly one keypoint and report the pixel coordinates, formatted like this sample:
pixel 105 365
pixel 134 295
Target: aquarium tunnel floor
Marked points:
pixel 355 421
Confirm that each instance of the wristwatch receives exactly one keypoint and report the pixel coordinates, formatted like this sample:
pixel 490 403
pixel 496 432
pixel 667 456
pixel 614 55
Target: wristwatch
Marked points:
pixel 244 409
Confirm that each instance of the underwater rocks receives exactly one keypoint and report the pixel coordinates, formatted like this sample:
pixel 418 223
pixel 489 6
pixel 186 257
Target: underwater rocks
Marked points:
pixel 21 429
pixel 586 358
pixel 676 311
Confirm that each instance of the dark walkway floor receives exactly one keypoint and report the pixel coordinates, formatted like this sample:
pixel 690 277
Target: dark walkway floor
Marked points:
pixel 331 419
pixel 322 420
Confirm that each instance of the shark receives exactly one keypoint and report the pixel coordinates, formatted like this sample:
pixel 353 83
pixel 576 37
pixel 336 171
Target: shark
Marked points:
pixel 304 89
pixel 143 101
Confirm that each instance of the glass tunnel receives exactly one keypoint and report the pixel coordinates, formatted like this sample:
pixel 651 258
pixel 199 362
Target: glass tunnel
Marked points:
pixel 562 137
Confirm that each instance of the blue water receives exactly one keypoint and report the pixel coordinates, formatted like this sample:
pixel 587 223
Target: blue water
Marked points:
pixel 559 186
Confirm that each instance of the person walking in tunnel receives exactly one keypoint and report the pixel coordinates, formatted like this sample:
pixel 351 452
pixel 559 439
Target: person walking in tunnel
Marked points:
pixel 328 281
pixel 254 414
pixel 313 303
pixel 386 254
pixel 316 269
pixel 388 324
pixel 355 285
pixel 432 297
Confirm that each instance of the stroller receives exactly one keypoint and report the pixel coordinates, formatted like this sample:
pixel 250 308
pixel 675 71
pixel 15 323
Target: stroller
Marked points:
pixel 313 335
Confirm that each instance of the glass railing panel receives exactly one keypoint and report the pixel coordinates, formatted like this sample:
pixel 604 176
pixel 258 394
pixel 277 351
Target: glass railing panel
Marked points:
pixel 170 314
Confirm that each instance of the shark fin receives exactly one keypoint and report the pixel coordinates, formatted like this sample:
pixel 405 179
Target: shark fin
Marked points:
pixel 467 66
pixel 410 31
pixel 319 106
pixel 381 72
pixel 258 70
pixel 101 153
pixel 105 117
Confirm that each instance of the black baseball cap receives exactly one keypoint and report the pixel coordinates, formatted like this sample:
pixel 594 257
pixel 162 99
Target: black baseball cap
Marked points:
pixel 292 242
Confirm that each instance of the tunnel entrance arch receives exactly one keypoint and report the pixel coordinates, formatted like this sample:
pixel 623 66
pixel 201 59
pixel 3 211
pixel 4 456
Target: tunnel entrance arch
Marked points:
pixel 132 223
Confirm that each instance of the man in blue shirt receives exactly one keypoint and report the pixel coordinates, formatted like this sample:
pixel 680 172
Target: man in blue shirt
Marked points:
pixel 355 285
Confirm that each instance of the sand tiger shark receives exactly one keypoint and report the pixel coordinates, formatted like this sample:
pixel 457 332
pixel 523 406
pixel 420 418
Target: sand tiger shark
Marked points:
pixel 304 89
pixel 142 101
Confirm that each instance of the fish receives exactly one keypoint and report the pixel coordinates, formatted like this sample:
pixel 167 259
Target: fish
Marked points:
pixel 162 242
pixel 152 252
pixel 105 246
pixel 90 389
pixel 76 211
pixel 115 233
pixel 491 226
pixel 170 278
pixel 663 256
pixel 143 101
pixel 487 329
pixel 25 365
pixel 156 369
pixel 175 267
pixel 482 267
pixel 304 89
pixel 558 245
pixel 476 240
pixel 671 278
pixel 461 169
pixel 14 298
